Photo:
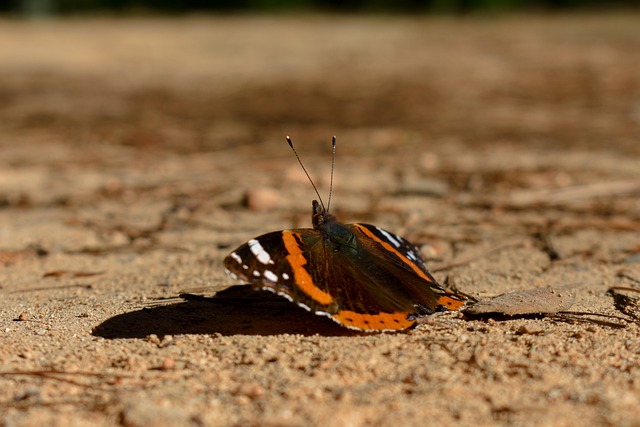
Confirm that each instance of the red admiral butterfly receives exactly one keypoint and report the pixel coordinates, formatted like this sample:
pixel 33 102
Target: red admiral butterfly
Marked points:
pixel 359 275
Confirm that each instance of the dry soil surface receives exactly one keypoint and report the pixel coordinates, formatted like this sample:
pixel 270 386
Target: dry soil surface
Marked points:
pixel 136 153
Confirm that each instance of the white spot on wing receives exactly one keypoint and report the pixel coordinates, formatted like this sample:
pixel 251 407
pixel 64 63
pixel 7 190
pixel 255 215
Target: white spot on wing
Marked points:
pixel 285 276
pixel 233 275
pixel 257 249
pixel 236 257
pixel 390 237
pixel 282 294
pixel 270 275
pixel 306 307
pixel 288 297
pixel 256 273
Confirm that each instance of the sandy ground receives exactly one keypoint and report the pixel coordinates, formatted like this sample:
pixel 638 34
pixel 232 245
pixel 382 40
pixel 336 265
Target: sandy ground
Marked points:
pixel 129 150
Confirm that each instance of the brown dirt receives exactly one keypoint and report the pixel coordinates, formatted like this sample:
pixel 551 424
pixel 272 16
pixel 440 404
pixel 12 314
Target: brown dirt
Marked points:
pixel 128 147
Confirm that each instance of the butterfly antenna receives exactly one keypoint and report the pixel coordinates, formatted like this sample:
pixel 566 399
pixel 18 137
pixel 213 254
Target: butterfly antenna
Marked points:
pixel 333 162
pixel 305 171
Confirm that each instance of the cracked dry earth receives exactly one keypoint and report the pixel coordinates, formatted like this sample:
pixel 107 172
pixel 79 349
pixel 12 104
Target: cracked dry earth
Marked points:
pixel 136 153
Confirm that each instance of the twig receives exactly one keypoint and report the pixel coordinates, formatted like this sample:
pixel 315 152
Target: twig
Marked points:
pixel 623 288
pixel 71 273
pixel 28 404
pixel 633 279
pixel 571 315
pixel 622 224
pixel 54 375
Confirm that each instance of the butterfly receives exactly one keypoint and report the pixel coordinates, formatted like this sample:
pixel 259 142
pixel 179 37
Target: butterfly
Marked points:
pixel 361 276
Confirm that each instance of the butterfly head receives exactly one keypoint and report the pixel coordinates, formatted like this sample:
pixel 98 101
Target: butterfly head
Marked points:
pixel 320 216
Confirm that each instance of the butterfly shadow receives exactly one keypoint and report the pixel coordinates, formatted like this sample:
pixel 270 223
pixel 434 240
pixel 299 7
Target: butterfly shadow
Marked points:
pixel 238 310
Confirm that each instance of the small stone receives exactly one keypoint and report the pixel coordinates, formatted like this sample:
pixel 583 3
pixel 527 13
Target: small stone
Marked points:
pixel 41 332
pixel 31 393
pixel 343 395
pixel 433 250
pixel 250 390
pixel 168 364
pixel 25 354
pixel 530 329
pixel 429 161
pixel 147 412
pixel 242 400
pixel 316 394
pixel 153 338
pixel 424 187
pixel 261 199
pixel 23 317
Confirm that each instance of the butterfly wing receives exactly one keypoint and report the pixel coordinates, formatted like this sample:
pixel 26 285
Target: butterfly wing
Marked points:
pixel 403 259
pixel 282 262
pixel 381 285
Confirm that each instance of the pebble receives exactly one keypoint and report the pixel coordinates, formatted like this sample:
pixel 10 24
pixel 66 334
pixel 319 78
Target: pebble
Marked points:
pixel 425 187
pixel 250 390
pixel 153 339
pixel 26 354
pixel 145 412
pixel 261 199
pixel 530 329
pixel 31 393
pixel 168 364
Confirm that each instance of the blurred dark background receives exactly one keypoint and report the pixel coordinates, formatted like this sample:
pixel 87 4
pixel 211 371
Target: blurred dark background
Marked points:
pixel 45 7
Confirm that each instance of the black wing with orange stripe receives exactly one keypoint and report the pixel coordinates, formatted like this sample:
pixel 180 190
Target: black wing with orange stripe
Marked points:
pixel 361 276
pixel 280 262
pixel 399 252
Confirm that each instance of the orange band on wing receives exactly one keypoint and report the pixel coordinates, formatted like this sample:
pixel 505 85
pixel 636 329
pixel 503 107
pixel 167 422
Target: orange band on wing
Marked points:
pixel 390 248
pixel 374 322
pixel 451 301
pixel 302 278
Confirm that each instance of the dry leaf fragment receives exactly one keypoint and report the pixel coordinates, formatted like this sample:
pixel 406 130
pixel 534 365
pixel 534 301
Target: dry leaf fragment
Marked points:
pixel 530 301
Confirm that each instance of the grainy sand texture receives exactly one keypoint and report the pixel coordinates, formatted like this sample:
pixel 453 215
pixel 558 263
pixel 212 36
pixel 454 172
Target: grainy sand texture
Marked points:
pixel 135 153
